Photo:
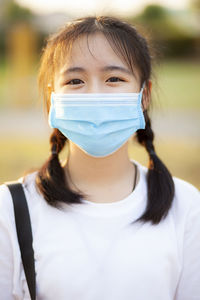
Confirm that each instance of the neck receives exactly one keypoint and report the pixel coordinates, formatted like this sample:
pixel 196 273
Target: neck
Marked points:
pixel 96 175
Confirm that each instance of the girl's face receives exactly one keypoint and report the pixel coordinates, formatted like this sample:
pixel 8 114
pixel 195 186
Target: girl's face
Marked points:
pixel 95 70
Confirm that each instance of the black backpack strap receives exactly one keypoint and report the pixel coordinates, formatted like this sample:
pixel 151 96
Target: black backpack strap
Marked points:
pixel 24 234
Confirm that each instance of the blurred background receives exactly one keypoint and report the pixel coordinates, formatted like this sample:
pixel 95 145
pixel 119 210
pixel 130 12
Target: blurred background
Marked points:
pixel 173 31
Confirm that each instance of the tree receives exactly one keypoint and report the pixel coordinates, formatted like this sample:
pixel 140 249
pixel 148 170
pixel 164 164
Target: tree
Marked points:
pixel 154 12
pixel 13 13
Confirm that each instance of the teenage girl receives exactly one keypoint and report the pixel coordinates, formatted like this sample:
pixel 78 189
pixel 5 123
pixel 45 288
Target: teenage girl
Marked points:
pixel 104 226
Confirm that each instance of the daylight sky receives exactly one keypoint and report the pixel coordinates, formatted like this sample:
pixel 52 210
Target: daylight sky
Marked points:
pixel 80 7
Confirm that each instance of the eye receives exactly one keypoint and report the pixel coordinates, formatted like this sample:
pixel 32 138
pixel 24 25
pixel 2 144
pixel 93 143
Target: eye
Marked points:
pixel 76 81
pixel 115 79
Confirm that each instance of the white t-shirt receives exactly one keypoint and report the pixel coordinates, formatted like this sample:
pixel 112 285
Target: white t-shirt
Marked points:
pixel 91 252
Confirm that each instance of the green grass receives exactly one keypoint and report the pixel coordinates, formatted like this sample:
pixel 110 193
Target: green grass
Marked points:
pixel 19 155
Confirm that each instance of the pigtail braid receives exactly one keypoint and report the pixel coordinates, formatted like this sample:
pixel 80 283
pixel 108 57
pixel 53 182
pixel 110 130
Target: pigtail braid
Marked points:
pixel 51 180
pixel 159 180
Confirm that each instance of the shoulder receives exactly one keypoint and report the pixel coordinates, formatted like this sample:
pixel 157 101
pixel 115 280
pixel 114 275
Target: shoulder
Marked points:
pixel 6 203
pixel 186 208
pixel 185 188
pixel 6 206
pixel 12 282
pixel 186 194
pixel 186 198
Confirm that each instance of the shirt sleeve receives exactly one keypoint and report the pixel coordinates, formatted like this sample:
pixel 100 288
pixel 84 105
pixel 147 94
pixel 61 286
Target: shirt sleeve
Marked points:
pixel 189 283
pixel 10 267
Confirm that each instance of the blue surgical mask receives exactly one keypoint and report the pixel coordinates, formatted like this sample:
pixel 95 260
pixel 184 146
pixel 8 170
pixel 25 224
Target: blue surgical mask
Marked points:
pixel 98 123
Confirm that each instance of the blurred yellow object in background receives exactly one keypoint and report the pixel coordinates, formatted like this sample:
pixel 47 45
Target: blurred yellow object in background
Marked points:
pixel 21 42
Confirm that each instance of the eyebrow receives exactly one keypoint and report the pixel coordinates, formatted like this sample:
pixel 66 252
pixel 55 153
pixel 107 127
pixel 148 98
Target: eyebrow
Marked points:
pixel 104 69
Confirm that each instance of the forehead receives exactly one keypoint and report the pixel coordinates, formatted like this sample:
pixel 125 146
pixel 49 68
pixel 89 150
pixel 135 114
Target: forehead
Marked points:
pixel 91 50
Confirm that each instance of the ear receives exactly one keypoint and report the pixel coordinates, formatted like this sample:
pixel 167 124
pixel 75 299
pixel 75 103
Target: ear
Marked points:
pixel 146 95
